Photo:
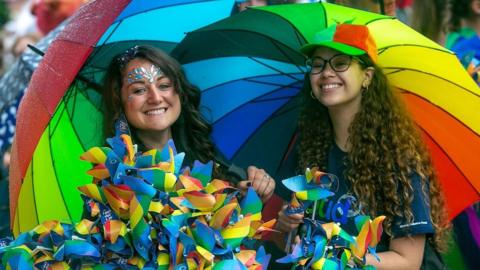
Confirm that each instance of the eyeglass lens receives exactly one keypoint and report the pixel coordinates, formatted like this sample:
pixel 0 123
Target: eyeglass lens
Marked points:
pixel 338 63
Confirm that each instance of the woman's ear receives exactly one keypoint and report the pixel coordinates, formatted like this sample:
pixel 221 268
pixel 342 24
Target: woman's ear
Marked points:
pixel 368 72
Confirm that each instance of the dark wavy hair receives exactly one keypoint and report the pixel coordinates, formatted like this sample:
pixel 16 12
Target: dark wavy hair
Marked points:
pixel 386 148
pixel 194 140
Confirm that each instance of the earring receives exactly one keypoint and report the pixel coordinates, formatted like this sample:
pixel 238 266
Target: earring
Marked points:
pixel 364 89
pixel 312 95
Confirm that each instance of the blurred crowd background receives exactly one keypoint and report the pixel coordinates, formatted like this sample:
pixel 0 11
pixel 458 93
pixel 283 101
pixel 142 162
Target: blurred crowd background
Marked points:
pixel 454 24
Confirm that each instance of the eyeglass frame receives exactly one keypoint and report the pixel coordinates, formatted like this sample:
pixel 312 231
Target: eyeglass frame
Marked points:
pixel 308 62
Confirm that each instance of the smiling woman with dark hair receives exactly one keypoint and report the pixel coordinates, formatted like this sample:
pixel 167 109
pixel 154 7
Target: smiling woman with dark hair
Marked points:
pixel 151 90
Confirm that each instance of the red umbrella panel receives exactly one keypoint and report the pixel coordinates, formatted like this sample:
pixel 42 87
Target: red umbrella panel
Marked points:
pixel 55 73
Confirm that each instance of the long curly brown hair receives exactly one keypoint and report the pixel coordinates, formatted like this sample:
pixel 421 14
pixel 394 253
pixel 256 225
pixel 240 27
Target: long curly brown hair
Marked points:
pixel 194 140
pixel 386 148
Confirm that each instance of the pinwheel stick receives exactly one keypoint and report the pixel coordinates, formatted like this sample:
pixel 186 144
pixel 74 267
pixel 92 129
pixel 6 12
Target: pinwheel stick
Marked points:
pixel 289 240
pixel 314 209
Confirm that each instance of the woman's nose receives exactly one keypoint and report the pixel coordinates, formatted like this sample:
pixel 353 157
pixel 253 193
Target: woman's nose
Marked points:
pixel 154 94
pixel 327 71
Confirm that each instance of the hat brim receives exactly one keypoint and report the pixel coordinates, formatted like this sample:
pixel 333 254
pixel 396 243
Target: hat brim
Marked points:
pixel 346 49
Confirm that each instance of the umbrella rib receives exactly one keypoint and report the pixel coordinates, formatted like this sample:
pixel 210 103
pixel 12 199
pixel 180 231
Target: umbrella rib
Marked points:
pixel 383 49
pixel 252 101
pixel 56 177
pixel 273 41
pixel 95 52
pixel 275 69
pixel 251 80
pixel 33 195
pixel 70 116
pixel 400 69
pixel 290 60
pixel 269 99
pixel 274 115
pixel 289 147
pixel 300 40
pixel 405 92
pixel 448 157
pixel 52 130
pixel 95 86
pixel 265 83
pixel 166 6
pixel 65 99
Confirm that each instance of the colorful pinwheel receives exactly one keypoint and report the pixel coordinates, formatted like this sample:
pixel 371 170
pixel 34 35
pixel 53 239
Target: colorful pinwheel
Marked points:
pixel 143 211
pixel 326 246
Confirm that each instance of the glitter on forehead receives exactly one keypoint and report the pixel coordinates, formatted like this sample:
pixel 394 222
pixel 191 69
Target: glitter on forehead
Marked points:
pixel 141 73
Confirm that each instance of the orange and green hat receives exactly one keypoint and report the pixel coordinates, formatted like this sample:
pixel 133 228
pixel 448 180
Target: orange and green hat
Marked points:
pixel 351 39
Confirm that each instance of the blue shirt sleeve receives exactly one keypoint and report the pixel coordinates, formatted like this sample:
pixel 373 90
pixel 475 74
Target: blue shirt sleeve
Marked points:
pixel 421 223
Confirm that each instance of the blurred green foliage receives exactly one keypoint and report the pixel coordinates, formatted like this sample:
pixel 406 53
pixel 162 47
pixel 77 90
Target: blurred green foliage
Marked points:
pixel 4 13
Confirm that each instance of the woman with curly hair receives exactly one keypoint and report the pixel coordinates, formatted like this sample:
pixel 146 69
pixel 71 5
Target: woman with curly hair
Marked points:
pixel 355 126
pixel 151 90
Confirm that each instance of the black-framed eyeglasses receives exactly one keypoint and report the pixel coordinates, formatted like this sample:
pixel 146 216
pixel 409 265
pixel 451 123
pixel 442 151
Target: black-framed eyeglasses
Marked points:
pixel 338 62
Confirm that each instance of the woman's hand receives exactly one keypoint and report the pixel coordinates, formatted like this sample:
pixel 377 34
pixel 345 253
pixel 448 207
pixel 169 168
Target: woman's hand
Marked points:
pixel 261 182
pixel 287 223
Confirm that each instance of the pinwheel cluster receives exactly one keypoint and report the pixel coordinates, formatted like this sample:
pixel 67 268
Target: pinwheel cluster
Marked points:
pixel 326 245
pixel 144 211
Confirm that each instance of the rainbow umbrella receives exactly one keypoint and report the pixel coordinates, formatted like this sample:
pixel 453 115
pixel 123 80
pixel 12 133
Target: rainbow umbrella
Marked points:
pixel 59 117
pixel 442 97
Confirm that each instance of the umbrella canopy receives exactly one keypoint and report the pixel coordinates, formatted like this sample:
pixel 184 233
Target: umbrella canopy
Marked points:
pixel 14 83
pixel 430 78
pixel 60 114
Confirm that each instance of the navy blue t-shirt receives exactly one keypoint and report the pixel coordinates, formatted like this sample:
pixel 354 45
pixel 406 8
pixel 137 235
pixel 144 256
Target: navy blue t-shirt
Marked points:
pixel 343 206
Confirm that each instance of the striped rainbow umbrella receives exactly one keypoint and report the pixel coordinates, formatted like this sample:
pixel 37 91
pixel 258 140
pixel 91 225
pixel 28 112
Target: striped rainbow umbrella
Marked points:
pixel 252 72
pixel 60 115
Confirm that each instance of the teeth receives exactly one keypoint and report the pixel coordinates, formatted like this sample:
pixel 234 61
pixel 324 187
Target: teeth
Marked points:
pixel 329 86
pixel 157 111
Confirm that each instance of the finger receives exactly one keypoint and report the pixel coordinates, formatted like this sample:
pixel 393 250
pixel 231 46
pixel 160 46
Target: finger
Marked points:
pixel 296 218
pixel 269 190
pixel 295 221
pixel 259 180
pixel 260 186
pixel 243 186
pixel 257 174
pixel 288 220
pixel 284 226
pixel 266 191
pixel 288 227
pixel 251 171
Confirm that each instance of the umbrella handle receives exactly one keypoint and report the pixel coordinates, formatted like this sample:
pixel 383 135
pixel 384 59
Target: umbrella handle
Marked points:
pixel 235 173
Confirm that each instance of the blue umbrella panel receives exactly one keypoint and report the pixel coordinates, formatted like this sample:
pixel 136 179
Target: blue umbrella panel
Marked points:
pixel 250 101
pixel 161 24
